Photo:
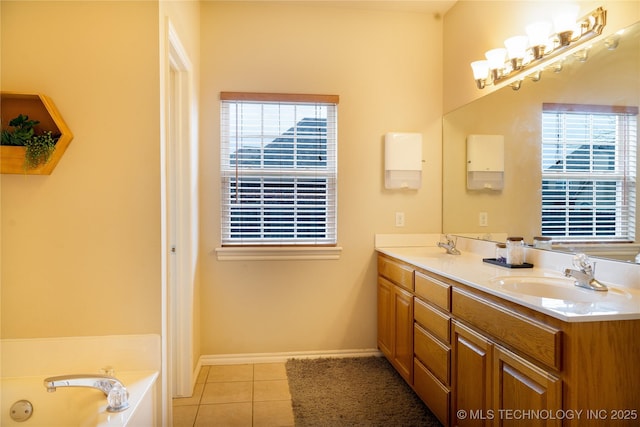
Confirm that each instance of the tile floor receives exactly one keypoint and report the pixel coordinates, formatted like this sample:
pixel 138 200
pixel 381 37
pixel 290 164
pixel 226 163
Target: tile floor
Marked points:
pixel 237 395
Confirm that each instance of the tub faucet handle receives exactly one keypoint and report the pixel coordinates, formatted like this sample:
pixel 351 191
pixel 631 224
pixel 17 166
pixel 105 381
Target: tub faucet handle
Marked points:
pixel 118 399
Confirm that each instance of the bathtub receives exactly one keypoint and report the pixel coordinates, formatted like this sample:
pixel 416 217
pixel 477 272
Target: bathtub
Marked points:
pixel 27 362
pixel 78 406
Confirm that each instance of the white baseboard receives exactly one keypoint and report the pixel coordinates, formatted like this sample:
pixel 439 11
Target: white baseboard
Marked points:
pixel 238 359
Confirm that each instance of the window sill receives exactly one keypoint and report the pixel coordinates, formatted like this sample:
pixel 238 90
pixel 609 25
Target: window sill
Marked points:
pixel 278 253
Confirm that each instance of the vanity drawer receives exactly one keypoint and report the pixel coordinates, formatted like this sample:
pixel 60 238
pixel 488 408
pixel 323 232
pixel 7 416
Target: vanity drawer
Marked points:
pixel 432 353
pixel 432 320
pixel 436 396
pixel 399 274
pixel 535 339
pixel 433 290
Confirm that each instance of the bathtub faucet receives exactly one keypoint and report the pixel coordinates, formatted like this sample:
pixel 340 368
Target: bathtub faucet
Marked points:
pixel 117 394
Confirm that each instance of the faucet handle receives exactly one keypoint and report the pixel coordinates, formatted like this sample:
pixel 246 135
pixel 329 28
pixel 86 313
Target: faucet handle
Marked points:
pixel 118 399
pixel 450 239
pixel 582 261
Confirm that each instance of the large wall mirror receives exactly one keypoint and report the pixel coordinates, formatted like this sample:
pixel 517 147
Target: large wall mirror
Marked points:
pixel 609 76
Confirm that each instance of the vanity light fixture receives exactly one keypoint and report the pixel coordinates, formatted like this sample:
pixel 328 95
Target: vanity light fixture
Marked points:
pixel 612 42
pixel 557 66
pixel 480 72
pixel 517 50
pixel 529 54
pixel 564 24
pixel 582 55
pixel 539 33
pixel 496 58
pixel 535 76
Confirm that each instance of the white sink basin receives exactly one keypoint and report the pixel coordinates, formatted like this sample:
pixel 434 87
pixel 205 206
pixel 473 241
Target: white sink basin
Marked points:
pixel 555 288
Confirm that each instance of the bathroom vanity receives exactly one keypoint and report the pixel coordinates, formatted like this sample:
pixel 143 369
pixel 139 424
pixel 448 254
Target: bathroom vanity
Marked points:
pixel 479 351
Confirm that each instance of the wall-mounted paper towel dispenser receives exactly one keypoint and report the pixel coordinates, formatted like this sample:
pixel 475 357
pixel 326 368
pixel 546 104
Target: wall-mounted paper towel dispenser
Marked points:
pixel 485 162
pixel 402 160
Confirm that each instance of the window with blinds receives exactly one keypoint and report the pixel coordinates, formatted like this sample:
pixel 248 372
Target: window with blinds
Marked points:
pixel 589 172
pixel 278 169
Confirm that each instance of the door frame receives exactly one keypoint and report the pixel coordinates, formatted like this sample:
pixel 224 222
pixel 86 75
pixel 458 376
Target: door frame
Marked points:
pixel 179 176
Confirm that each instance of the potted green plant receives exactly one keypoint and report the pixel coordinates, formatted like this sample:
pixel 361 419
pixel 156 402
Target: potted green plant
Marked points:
pixel 38 147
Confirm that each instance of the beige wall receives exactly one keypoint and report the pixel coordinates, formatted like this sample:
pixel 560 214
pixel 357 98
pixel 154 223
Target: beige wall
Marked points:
pixel 473 27
pixel 81 247
pixel 386 67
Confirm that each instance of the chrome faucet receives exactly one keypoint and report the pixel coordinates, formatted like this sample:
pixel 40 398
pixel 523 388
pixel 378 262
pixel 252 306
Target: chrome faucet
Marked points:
pixel 117 394
pixel 450 245
pixel 585 275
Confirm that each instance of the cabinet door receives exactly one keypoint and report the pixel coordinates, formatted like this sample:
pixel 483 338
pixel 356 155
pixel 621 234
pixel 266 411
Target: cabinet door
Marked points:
pixel 472 362
pixel 403 336
pixel 521 386
pixel 385 317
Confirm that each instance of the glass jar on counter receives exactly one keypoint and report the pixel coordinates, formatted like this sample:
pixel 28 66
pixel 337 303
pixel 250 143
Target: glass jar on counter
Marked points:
pixel 540 242
pixel 501 252
pixel 515 250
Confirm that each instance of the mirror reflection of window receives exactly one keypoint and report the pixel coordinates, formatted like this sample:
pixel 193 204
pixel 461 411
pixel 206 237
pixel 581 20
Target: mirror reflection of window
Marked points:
pixel 589 172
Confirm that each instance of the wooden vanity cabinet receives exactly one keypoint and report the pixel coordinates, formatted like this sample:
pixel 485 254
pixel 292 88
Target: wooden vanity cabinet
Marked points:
pixel 471 383
pixel 519 384
pixel 490 380
pixel 511 384
pixel 395 315
pixel 386 290
pixel 489 357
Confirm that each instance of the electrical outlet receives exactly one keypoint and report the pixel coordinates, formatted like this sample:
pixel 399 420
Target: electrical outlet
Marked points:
pixel 483 219
pixel 399 219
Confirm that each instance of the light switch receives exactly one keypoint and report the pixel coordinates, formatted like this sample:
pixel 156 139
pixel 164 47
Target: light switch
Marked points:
pixel 483 219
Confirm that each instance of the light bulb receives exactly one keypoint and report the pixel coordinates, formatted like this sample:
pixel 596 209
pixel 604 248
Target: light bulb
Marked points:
pixel 480 69
pixel 496 58
pixel 565 19
pixel 538 33
pixel 564 23
pixel 480 72
pixel 516 50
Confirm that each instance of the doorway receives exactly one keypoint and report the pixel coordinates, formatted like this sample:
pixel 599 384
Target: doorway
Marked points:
pixel 180 243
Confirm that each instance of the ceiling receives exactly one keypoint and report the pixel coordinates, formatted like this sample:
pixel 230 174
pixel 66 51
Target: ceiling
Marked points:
pixel 439 7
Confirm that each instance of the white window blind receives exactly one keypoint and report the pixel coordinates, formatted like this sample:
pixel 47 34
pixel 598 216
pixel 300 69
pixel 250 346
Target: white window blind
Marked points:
pixel 278 169
pixel 589 172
